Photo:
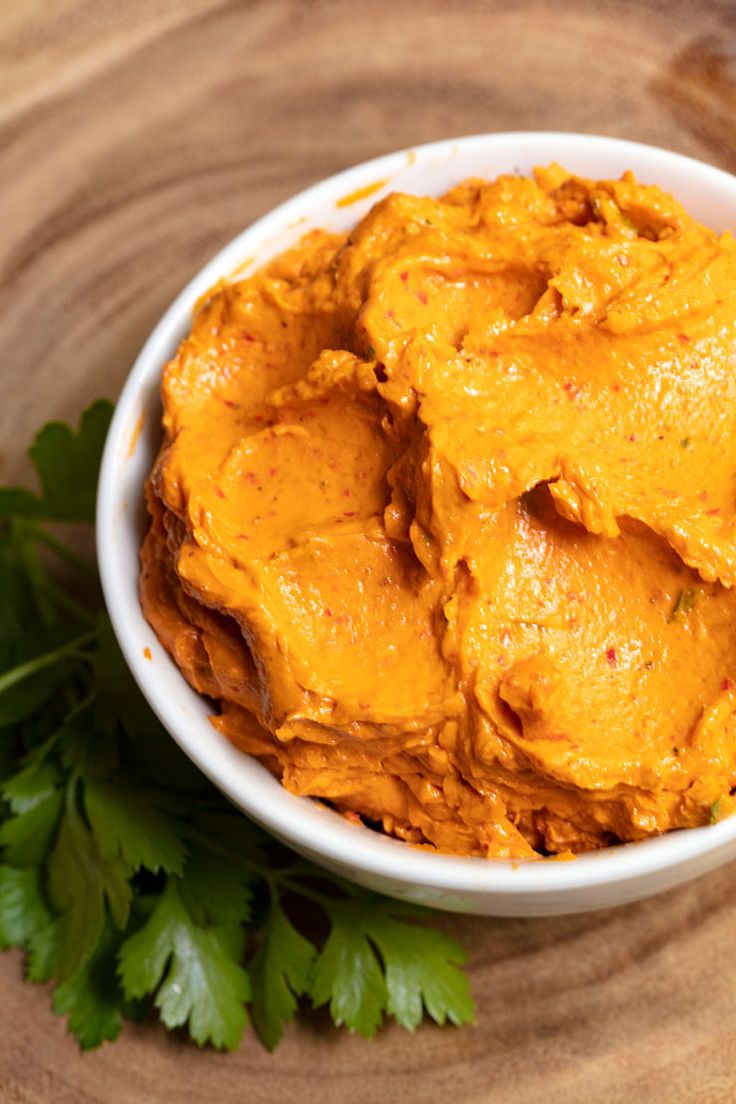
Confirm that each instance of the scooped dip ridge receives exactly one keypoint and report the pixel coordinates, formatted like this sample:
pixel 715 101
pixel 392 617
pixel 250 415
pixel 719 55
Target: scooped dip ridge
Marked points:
pixel 443 517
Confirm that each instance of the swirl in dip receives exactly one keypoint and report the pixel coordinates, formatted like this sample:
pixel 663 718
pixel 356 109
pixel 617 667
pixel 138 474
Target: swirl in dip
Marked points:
pixel 443 517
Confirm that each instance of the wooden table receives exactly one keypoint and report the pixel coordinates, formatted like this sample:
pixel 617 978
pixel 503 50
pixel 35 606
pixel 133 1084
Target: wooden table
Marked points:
pixel 135 139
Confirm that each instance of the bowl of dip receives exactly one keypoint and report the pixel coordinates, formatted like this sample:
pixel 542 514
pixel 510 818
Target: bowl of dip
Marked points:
pixel 515 885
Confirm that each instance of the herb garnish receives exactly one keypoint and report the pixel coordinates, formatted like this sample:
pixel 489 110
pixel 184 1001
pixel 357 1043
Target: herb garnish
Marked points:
pixel 684 602
pixel 722 808
pixel 130 881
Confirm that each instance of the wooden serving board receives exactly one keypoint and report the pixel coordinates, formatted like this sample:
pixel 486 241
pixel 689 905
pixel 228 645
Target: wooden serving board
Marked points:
pixel 135 139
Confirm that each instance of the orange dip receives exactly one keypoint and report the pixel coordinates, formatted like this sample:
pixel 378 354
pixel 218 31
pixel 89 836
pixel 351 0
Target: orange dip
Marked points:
pixel 443 518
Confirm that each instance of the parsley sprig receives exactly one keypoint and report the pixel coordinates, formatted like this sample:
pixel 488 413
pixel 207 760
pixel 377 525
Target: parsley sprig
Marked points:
pixel 131 883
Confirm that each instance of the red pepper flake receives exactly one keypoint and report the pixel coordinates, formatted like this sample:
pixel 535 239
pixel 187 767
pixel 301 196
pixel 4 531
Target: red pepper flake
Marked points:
pixel 404 276
pixel 611 657
pixel 346 493
pixel 571 388
pixel 272 471
pixel 631 437
pixel 390 314
pixel 683 338
pixel 219 492
pixel 231 404
pixel 350 513
pixel 713 512
pixel 727 684
pixel 328 612
pixel 422 297
pixel 703 495
pixel 250 477
pixel 248 336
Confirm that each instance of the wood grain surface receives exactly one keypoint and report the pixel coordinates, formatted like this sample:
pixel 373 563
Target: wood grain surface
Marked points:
pixel 136 138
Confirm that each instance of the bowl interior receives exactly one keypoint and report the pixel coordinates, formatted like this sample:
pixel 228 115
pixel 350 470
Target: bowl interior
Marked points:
pixel 592 880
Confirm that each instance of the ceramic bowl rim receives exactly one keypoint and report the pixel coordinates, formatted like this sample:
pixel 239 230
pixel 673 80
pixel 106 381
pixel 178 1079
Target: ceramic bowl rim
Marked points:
pixel 300 821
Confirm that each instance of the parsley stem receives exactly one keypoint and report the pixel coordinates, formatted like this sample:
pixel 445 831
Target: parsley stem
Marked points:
pixel 37 575
pixel 253 867
pixel 278 878
pixel 301 890
pixel 47 659
pixel 68 603
pixel 62 550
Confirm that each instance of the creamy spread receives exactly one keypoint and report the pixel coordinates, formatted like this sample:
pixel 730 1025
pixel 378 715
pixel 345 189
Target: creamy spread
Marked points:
pixel 443 517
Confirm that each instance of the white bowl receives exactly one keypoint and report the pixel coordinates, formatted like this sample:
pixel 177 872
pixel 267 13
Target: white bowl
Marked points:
pixel 604 878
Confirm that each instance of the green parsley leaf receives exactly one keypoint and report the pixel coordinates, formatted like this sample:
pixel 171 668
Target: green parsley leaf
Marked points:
pixel 26 696
pixel 120 707
pixel 127 825
pixel 67 464
pixel 236 838
pixel 281 971
pixel 80 881
pixel 26 838
pixel 91 998
pixel 44 948
pixel 422 971
pixel 27 684
pixel 18 502
pixel 18 607
pixel 128 879
pixel 420 968
pixel 192 969
pixel 29 629
pixel 215 891
pixel 23 911
pixel 84 749
pixel 25 920
pixel 37 780
pixel 347 974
